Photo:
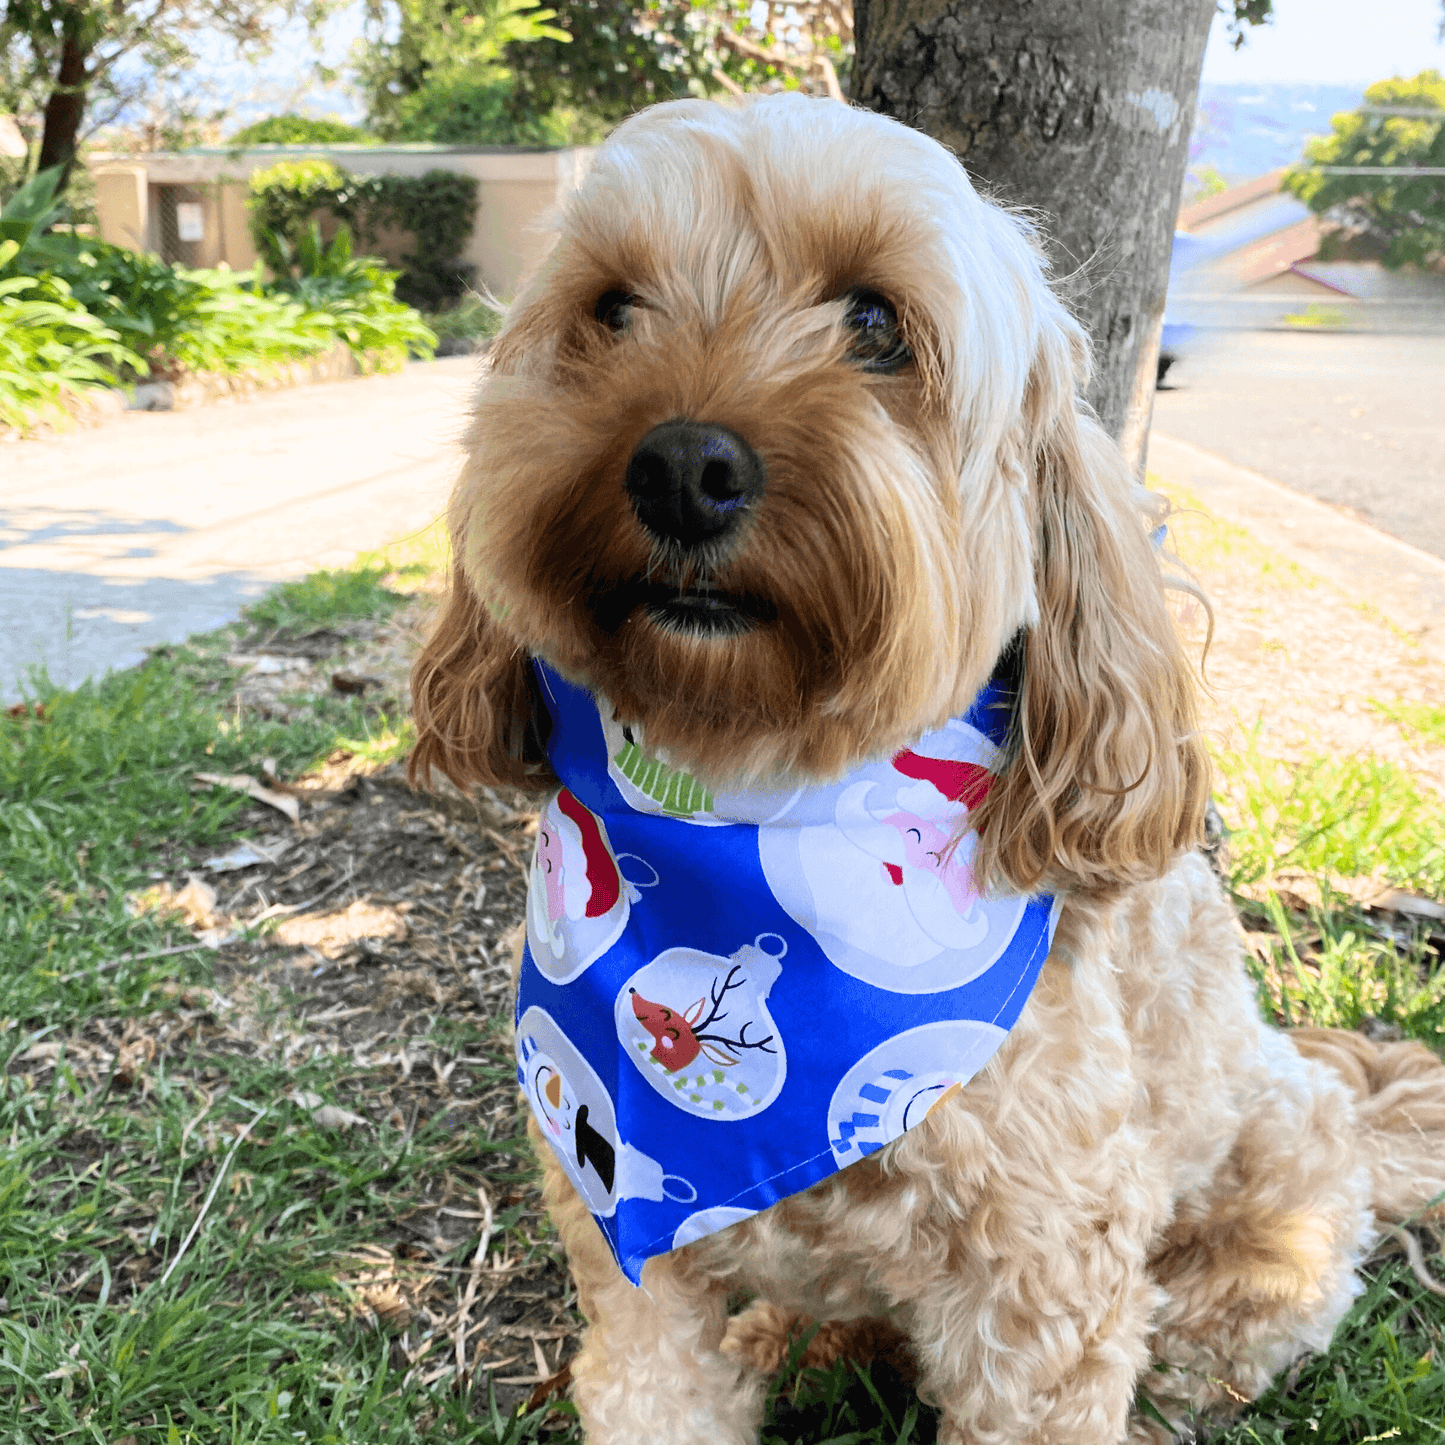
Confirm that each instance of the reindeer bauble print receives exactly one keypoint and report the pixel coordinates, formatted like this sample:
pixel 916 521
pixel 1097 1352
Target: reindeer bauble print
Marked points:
pixel 698 1028
pixel 795 976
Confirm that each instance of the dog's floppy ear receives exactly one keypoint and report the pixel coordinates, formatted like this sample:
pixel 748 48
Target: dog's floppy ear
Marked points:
pixel 479 714
pixel 1106 777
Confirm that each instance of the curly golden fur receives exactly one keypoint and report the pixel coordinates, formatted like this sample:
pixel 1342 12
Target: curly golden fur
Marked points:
pixel 1144 1170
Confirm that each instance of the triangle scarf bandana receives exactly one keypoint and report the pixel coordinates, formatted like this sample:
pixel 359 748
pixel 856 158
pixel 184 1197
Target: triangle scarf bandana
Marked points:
pixel 725 998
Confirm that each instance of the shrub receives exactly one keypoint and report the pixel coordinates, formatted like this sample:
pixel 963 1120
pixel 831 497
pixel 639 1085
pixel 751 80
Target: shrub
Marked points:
pixel 436 208
pixel 49 345
pixel 1405 214
pixel 355 293
pixel 284 197
pixel 300 130
pixel 106 315
pixel 459 329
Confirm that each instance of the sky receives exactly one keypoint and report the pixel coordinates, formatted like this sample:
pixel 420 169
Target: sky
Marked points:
pixel 1330 42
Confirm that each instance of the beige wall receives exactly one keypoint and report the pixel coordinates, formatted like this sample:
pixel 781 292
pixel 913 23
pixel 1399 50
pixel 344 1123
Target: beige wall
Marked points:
pixel 517 192
pixel 122 206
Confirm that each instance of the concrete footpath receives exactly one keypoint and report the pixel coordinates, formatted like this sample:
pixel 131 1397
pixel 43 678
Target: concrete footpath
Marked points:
pixel 154 526
pixel 1405 585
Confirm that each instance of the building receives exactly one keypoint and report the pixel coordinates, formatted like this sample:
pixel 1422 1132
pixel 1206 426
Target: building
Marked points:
pixel 190 206
pixel 1249 256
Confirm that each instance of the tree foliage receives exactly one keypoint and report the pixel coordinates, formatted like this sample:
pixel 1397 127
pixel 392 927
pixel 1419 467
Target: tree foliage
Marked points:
pixel 1404 213
pixel 624 56
pixel 300 130
pixel 432 69
pixel 60 59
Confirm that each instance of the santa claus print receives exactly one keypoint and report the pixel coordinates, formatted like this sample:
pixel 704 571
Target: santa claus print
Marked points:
pixel 885 883
pixel 578 900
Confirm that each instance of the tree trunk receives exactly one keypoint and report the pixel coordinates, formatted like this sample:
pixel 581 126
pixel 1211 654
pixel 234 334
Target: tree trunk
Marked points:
pixel 1079 110
pixel 66 106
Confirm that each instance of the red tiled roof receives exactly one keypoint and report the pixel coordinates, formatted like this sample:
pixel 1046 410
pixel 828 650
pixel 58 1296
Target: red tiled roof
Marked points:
pixel 1222 202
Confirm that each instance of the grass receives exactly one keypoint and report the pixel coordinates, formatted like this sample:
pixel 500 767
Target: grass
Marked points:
pixel 1332 817
pixel 131 1310
pixel 1416 718
pixel 184 1243
pixel 324 597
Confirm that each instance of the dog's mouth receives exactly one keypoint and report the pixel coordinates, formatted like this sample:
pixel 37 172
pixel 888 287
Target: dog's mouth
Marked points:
pixel 699 611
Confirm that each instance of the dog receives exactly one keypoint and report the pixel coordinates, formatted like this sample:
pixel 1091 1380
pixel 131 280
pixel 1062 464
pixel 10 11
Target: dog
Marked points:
pixel 777 461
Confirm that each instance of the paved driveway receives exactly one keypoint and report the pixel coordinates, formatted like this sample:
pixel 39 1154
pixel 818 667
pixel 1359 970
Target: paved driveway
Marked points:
pixel 1355 420
pixel 157 525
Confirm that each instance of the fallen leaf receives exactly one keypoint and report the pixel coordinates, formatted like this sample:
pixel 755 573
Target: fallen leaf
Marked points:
pixel 328 1116
pixel 388 1303
pixel 267 664
pixel 332 1116
pixel 131 1060
pixel 1411 903
pixel 331 933
pixel 353 682
pixel 550 1387
pixel 196 903
pixel 244 783
pixel 249 853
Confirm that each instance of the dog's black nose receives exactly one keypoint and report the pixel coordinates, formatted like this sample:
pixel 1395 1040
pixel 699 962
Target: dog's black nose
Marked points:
pixel 691 483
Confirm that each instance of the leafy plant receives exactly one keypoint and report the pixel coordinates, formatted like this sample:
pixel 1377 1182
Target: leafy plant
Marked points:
pixel 1405 213
pixel 283 198
pixel 50 345
pixel 470 320
pixel 26 219
pixel 438 210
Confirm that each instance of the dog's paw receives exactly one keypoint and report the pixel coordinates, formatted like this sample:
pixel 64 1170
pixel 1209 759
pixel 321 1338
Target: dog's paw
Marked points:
pixel 764 1335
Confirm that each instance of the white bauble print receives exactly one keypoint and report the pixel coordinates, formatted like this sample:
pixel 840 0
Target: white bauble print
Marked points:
pixel 893 1086
pixel 578 1120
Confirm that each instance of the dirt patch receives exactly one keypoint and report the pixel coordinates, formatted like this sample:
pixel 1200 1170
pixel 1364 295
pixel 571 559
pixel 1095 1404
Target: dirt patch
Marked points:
pixel 380 927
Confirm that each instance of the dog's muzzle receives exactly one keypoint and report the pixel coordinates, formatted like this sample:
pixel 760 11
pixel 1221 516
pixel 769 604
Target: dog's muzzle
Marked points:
pixel 693 483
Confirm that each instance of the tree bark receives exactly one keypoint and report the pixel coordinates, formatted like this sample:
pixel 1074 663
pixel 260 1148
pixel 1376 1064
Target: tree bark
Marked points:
pixel 1079 110
pixel 66 106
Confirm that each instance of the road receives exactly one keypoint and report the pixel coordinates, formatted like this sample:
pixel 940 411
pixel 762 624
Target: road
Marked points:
pixel 153 526
pixel 1357 421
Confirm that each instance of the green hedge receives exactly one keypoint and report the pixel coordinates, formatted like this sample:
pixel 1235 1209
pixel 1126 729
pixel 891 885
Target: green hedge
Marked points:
pixel 436 208
pixel 75 311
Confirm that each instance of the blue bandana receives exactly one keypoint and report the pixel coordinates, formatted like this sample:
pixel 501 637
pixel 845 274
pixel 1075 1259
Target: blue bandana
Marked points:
pixel 725 998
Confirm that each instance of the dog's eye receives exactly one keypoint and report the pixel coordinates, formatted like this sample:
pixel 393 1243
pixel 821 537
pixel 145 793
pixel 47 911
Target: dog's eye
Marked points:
pixel 877 343
pixel 614 310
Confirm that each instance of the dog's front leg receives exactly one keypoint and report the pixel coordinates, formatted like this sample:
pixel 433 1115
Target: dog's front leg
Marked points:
pixel 650 1368
pixel 1030 1340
